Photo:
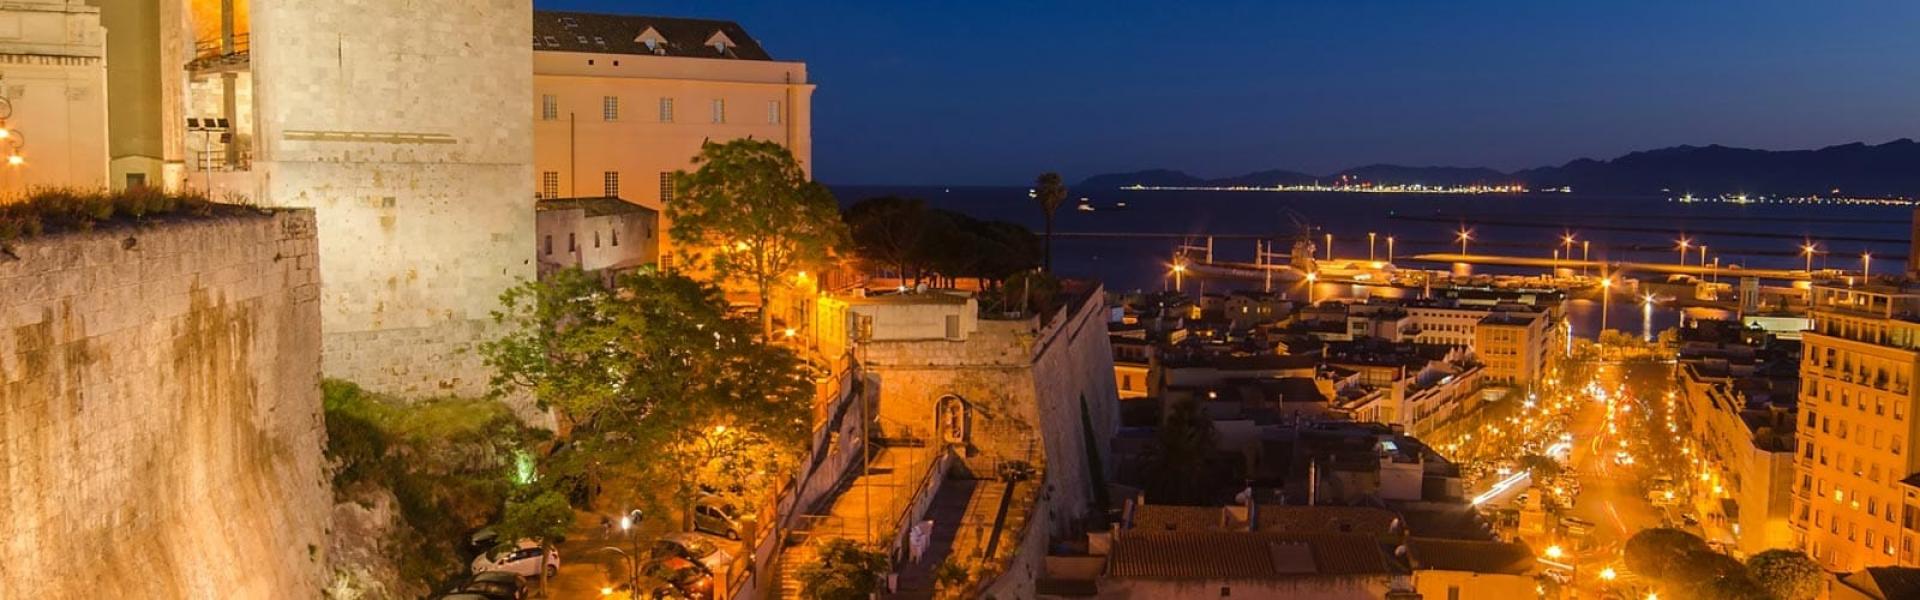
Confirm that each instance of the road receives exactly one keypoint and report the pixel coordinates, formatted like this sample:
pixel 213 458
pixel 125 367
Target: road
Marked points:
pixel 1612 495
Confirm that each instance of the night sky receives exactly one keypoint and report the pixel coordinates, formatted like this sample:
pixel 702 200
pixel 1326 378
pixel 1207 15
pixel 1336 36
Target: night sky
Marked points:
pixel 992 92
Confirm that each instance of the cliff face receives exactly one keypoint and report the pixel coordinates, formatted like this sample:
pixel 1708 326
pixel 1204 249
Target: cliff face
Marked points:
pixel 160 419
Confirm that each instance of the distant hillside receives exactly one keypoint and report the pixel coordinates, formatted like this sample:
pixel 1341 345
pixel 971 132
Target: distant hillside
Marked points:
pixel 1150 178
pixel 1892 168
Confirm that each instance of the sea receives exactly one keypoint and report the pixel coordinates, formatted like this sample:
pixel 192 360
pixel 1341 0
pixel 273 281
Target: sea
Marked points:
pixel 1766 233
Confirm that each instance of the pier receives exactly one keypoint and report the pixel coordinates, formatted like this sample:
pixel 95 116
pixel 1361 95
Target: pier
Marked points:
pixel 1615 266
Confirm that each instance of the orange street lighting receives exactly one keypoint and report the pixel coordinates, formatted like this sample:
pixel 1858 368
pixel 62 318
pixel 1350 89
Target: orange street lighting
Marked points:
pixel 1683 244
pixel 1311 278
pixel 1179 273
pixel 1389 248
pixel 1370 257
pixel 1464 234
pixel 1866 265
pixel 1808 250
pixel 16 160
pixel 1329 246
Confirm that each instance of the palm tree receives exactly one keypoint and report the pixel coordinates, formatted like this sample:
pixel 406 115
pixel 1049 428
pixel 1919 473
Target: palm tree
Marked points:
pixel 1050 192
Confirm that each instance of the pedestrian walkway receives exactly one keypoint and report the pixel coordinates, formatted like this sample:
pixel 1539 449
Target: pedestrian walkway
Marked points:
pixel 866 510
pixel 963 516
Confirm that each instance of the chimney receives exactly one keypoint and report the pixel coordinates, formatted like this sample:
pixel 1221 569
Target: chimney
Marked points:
pixel 1913 246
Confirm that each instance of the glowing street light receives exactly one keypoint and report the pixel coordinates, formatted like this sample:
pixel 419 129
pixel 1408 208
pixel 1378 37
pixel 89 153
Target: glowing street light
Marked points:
pixel 1703 255
pixel 1866 265
pixel 1683 244
pixel 1606 297
pixel 1329 246
pixel 1389 248
pixel 1370 257
pixel 1608 574
pixel 1585 245
pixel 1179 273
pixel 1464 234
pixel 1808 249
pixel 1311 278
pixel 1554 552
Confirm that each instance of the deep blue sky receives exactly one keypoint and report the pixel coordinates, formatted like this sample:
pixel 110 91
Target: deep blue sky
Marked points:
pixel 991 92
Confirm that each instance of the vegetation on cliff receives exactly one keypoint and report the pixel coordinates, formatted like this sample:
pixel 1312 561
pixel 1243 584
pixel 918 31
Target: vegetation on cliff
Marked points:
pixel 445 467
pixel 53 210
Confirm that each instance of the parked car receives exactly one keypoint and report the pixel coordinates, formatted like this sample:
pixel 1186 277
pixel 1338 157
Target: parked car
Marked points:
pixel 712 515
pixel 522 559
pixel 676 577
pixel 495 585
pixel 697 547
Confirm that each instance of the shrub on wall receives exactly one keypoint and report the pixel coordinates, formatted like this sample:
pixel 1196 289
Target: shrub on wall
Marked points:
pixel 50 210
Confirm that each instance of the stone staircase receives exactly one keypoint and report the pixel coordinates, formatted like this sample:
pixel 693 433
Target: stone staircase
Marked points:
pixel 876 496
pixel 963 515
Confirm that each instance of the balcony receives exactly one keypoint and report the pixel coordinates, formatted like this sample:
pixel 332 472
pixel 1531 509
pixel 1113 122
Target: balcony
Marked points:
pixel 222 54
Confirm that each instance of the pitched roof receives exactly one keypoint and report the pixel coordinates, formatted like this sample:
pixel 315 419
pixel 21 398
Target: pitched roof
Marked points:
pixel 1276 518
pixel 1243 555
pixel 595 207
pixel 598 33
pixel 1471 556
pixel 1150 518
pixel 1896 582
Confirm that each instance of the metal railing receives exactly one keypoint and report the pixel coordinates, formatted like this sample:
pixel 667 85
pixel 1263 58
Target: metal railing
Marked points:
pixel 217 47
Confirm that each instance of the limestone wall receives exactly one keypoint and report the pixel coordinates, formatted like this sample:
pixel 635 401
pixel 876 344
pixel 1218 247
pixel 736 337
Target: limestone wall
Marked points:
pixel 1023 385
pixel 160 419
pixel 392 121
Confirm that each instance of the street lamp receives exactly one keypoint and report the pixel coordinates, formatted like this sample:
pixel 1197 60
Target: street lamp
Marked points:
pixel 1464 234
pixel 1329 246
pixel 1683 245
pixel 1370 257
pixel 1311 277
pixel 1866 265
pixel 1606 296
pixel 1808 249
pixel 1179 270
pixel 1389 249
pixel 1703 255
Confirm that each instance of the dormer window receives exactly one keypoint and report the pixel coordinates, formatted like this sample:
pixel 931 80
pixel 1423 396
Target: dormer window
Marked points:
pixel 721 43
pixel 652 39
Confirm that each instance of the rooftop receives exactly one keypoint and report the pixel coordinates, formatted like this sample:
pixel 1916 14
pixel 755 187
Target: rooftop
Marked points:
pixel 595 207
pixel 1244 555
pixel 600 33
pixel 1473 556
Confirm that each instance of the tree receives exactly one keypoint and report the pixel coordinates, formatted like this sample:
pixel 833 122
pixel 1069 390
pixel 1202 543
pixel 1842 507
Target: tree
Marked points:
pixel 1182 446
pixel 1541 467
pixel 752 213
pixel 1658 553
pixel 1050 192
pixel 537 512
pixel 891 230
pixel 1789 574
pixel 632 367
pixel 843 570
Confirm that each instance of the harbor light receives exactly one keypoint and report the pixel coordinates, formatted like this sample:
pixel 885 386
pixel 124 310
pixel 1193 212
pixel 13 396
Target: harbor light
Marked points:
pixel 1554 552
pixel 1683 244
pixel 1808 250
pixel 1607 574
pixel 1465 235
pixel 1866 265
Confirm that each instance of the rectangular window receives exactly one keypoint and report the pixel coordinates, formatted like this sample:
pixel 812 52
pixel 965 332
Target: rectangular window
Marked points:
pixel 549 245
pixel 616 236
pixel 773 112
pixel 719 110
pixel 550 184
pixel 549 107
pixel 666 186
pixel 610 108
pixel 596 238
pixel 573 245
pixel 666 110
pixel 612 180
pixel 953 327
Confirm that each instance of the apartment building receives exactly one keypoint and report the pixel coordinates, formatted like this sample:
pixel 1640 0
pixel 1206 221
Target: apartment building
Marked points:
pixel 1856 428
pixel 1735 407
pixel 620 102
pixel 1513 345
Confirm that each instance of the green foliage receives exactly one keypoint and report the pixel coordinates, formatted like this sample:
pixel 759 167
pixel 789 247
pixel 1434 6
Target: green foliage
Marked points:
pixel 916 241
pixel 70 209
pixel 844 571
pixel 1049 192
pixel 641 374
pixel 892 231
pixel 1788 574
pixel 1658 553
pixel 1030 292
pixel 753 211
pixel 1184 442
pixel 447 462
pixel 538 512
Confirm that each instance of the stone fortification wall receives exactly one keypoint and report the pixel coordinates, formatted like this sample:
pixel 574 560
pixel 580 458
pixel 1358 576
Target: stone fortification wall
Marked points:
pixel 1023 386
pixel 160 418
pixel 406 126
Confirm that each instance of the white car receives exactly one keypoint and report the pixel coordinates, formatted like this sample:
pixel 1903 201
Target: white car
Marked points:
pixel 523 560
